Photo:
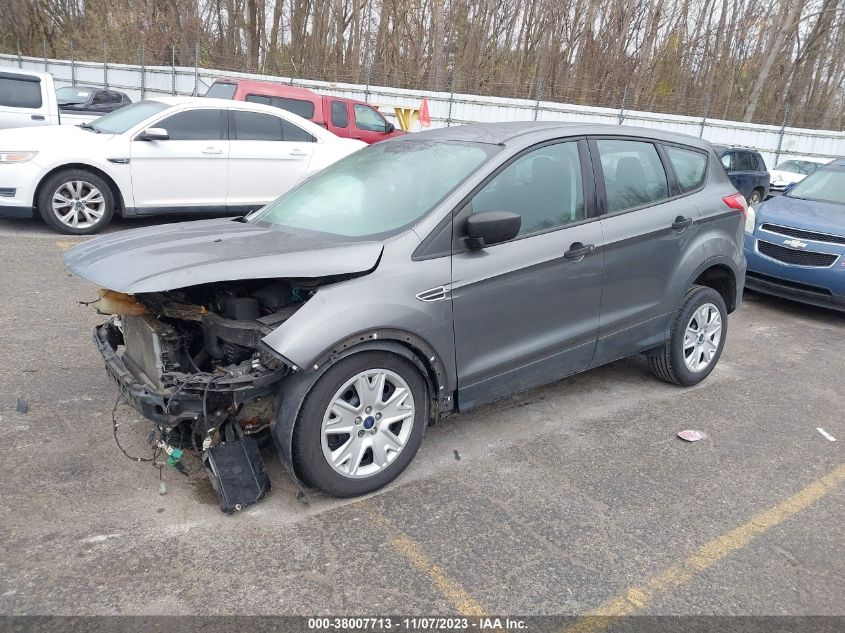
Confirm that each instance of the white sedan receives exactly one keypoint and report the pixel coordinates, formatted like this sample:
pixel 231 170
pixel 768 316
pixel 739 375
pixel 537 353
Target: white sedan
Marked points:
pixel 172 155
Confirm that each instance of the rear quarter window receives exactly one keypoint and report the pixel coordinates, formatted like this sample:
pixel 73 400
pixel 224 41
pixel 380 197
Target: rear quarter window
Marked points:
pixel 20 93
pixel 690 167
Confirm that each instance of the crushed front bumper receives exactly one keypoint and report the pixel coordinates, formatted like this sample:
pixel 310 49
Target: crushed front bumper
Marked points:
pixel 188 400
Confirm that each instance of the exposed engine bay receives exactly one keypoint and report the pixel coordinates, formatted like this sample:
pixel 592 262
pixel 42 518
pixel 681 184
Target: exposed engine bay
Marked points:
pixel 192 361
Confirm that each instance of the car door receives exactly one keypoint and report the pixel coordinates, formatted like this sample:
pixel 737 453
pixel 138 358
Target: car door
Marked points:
pixel 369 125
pixel 267 156
pixel 526 311
pixel 649 226
pixel 188 172
pixel 22 101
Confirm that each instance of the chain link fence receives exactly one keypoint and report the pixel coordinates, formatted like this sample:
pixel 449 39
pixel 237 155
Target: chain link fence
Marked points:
pixel 182 70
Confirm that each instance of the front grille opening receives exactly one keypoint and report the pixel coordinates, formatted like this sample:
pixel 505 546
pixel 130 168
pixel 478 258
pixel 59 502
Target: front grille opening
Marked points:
pixel 802 234
pixel 796 257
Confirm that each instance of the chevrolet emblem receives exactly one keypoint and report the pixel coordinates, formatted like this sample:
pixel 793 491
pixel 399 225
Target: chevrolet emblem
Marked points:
pixel 795 243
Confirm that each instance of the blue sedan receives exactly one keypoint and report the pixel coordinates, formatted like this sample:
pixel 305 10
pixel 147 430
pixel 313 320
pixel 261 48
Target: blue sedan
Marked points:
pixel 795 243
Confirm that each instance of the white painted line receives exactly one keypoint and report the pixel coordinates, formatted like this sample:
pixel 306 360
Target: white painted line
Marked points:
pixel 826 435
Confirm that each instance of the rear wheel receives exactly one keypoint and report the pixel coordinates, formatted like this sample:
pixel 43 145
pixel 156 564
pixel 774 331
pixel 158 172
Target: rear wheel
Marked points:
pixel 756 197
pixel 697 337
pixel 361 424
pixel 76 201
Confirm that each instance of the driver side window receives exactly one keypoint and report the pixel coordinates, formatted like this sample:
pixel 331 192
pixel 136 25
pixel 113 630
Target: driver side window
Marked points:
pixel 543 187
pixel 368 119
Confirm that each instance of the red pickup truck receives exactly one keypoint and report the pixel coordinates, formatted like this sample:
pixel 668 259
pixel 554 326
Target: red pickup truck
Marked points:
pixel 344 117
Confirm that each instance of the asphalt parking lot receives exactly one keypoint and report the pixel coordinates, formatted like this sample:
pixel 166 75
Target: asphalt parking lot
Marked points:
pixel 572 498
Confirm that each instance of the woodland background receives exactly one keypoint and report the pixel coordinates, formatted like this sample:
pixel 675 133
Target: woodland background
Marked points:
pixel 763 61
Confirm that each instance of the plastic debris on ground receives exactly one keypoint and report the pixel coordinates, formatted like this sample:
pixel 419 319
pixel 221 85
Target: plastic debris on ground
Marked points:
pixel 22 407
pixel 691 436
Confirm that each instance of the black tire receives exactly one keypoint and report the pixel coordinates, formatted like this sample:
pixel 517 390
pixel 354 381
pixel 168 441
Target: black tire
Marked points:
pixel 55 182
pixel 667 362
pixel 756 197
pixel 309 462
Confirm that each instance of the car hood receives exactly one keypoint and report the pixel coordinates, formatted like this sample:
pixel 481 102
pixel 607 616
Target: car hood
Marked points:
pixel 787 177
pixel 46 136
pixel 822 217
pixel 172 256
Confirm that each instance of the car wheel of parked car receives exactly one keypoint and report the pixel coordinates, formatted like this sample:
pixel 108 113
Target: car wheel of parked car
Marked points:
pixel 697 336
pixel 756 197
pixel 361 424
pixel 76 201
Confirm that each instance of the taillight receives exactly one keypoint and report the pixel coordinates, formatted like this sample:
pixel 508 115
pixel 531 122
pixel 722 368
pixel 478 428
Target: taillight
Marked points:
pixel 736 202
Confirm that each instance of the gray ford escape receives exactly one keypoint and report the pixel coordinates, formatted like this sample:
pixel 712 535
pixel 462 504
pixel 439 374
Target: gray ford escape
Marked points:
pixel 416 278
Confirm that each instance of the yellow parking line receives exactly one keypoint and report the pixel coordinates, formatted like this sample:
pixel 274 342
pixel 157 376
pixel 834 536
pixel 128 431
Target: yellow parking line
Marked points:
pixel 404 545
pixel 638 598
pixel 64 245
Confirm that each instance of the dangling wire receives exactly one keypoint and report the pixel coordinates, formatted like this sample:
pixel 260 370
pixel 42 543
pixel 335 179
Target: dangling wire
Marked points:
pixel 156 450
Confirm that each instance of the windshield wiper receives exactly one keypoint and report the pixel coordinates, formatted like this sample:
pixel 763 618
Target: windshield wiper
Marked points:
pixel 88 126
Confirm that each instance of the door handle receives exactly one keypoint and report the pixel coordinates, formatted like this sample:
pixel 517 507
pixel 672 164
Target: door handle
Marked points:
pixel 212 150
pixel 577 250
pixel 298 152
pixel 681 223
pixel 37 117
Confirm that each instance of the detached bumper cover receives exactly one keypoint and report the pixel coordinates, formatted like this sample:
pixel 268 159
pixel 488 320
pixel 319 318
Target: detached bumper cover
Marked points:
pixel 168 407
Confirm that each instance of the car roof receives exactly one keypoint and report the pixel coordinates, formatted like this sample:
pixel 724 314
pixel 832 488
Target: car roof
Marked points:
pixel 270 88
pixel 503 133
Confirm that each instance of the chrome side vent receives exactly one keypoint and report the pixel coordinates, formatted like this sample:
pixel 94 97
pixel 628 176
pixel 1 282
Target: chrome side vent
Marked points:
pixel 434 294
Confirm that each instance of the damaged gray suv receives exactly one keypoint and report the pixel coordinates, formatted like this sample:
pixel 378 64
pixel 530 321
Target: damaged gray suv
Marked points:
pixel 416 278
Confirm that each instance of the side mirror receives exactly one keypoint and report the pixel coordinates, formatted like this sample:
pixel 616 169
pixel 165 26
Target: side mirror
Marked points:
pixel 154 134
pixel 390 127
pixel 491 227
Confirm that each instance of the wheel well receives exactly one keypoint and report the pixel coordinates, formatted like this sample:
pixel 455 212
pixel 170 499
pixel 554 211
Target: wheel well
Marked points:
pixel 115 190
pixel 405 344
pixel 722 280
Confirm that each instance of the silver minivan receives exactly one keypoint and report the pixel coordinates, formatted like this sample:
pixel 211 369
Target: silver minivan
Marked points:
pixel 417 278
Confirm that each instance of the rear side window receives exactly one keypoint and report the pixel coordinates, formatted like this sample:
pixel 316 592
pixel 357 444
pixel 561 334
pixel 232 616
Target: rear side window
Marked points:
pixel 690 167
pixel 633 174
pixel 294 133
pixel 300 107
pixel 194 125
pixel 254 126
pixel 744 161
pixel 20 93
pixel 340 115
pixel 219 90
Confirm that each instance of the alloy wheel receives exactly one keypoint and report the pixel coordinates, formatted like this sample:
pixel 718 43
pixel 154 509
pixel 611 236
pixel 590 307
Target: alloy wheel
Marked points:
pixel 367 423
pixel 78 204
pixel 702 337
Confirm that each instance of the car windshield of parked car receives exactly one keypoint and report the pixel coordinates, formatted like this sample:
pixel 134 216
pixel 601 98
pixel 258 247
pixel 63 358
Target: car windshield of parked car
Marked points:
pixel 824 185
pixel 125 118
pixel 377 191
pixel 71 94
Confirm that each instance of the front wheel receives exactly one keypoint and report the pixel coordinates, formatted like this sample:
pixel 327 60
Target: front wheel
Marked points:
pixel 697 336
pixel 76 201
pixel 361 424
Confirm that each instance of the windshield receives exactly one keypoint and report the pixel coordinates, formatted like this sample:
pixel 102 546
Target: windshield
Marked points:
pixel 70 94
pixel 826 185
pixel 798 167
pixel 378 190
pixel 127 117
pixel 221 90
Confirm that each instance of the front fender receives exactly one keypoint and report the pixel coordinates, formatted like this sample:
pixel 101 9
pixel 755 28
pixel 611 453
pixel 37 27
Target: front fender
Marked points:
pixel 380 305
